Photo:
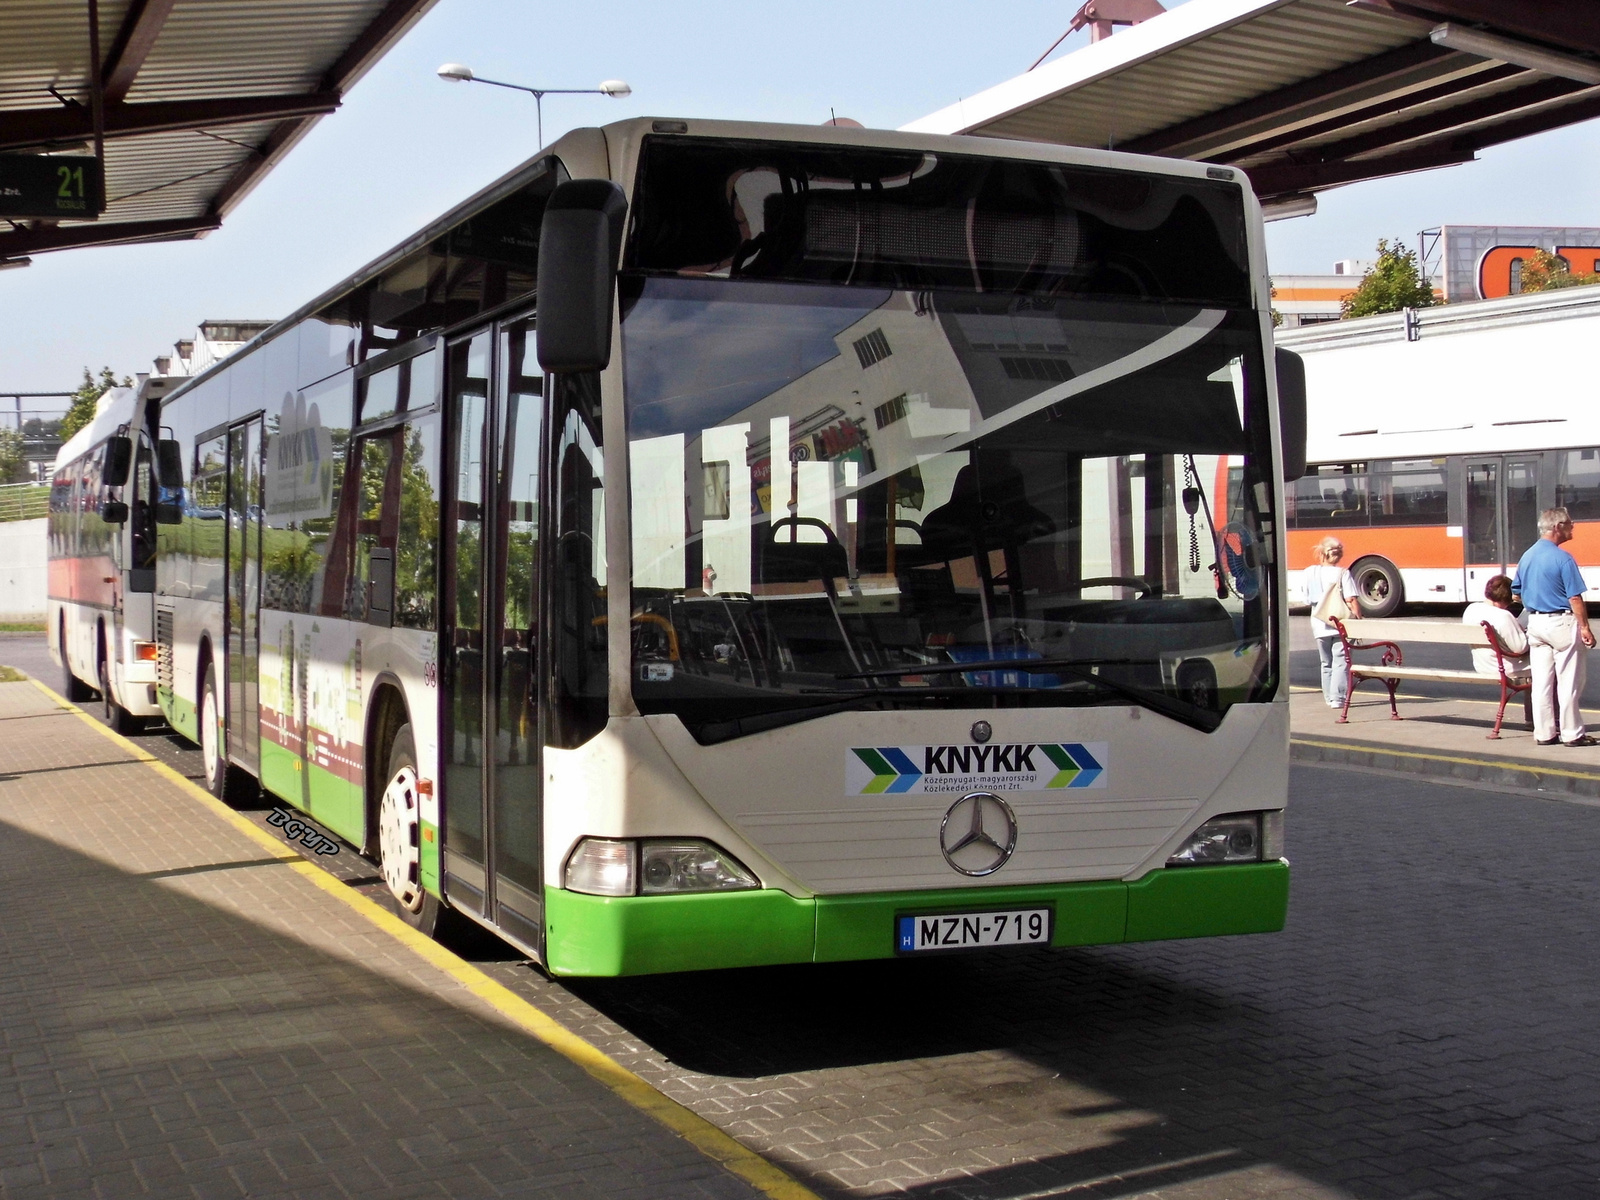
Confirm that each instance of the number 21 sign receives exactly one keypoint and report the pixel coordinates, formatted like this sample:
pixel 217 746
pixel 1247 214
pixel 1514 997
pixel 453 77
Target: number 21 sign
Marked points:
pixel 43 185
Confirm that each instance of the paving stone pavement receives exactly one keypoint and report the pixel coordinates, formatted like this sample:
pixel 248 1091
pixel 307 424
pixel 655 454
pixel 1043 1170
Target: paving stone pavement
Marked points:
pixel 1425 1028
pixel 181 1016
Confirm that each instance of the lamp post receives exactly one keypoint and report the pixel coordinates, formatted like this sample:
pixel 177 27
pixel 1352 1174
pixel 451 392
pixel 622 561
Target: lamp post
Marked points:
pixel 615 88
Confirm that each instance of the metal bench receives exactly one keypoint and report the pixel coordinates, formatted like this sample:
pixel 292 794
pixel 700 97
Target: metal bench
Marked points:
pixel 1390 669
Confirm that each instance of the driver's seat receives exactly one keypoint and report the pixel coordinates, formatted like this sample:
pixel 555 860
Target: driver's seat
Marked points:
pixel 992 510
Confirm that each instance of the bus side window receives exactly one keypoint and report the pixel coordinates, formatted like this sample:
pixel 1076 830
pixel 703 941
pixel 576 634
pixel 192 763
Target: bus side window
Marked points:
pixel 143 517
pixel 375 513
pixel 579 679
pixel 1578 483
pixel 417 523
pixel 396 527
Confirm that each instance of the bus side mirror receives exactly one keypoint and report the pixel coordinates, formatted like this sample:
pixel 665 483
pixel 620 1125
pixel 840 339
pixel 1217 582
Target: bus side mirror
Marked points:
pixel 169 465
pixel 168 513
pixel 119 456
pixel 1292 412
pixel 580 242
pixel 114 512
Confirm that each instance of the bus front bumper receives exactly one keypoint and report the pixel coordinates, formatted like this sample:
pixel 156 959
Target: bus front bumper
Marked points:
pixel 641 935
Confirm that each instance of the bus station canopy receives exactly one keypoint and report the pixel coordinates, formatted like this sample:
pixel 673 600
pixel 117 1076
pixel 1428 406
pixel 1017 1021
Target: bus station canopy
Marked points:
pixel 199 99
pixel 1306 95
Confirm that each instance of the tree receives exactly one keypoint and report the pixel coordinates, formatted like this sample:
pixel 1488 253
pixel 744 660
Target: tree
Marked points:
pixel 12 467
pixel 81 411
pixel 1544 272
pixel 1392 283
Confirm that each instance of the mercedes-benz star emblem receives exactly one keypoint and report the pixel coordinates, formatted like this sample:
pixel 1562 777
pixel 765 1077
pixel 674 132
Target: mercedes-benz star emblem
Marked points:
pixel 978 834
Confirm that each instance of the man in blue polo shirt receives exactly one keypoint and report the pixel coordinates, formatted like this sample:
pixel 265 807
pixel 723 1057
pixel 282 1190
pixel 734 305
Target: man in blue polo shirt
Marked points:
pixel 1559 638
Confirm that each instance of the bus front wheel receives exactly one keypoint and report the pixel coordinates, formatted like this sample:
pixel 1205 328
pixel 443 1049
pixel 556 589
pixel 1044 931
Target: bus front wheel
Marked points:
pixel 1379 586
pixel 120 719
pixel 72 687
pixel 400 837
pixel 228 783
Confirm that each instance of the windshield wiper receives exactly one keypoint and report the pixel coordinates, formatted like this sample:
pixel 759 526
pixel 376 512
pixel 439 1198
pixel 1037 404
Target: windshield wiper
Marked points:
pixel 1078 668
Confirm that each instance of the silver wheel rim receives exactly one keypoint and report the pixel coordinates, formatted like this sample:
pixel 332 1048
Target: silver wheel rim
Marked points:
pixel 398 839
pixel 209 736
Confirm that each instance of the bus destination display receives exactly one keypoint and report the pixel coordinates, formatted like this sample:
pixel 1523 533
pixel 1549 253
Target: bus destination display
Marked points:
pixel 59 186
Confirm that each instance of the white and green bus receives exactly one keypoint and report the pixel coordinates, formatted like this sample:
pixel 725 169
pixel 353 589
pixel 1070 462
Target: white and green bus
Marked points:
pixel 720 544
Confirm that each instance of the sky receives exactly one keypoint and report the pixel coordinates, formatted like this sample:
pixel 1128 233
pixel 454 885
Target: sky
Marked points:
pixel 406 146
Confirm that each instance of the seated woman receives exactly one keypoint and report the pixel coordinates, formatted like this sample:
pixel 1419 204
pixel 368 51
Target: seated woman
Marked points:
pixel 1495 608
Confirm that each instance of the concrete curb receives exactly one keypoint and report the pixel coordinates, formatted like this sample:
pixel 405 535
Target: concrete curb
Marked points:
pixel 1465 768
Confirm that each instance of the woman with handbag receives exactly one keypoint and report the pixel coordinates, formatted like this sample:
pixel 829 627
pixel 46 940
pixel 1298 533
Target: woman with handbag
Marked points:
pixel 1331 591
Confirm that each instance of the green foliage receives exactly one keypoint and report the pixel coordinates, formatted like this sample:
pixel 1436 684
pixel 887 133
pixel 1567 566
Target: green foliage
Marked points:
pixel 81 411
pixel 12 467
pixel 1544 272
pixel 1394 282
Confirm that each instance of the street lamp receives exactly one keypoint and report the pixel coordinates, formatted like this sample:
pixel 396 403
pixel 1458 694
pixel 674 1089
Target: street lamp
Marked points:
pixel 458 73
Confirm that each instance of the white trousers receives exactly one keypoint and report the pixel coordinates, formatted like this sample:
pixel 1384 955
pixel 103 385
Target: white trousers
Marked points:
pixel 1559 661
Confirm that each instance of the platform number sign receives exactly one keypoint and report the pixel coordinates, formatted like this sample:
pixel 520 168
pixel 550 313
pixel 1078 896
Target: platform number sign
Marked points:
pixel 66 187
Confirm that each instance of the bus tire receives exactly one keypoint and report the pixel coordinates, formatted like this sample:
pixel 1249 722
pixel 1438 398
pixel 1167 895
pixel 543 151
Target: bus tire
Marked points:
pixel 73 688
pixel 1379 586
pixel 223 780
pixel 400 837
pixel 120 719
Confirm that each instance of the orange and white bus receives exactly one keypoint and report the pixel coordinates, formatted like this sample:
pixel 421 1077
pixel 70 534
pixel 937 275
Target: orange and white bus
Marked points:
pixel 1435 437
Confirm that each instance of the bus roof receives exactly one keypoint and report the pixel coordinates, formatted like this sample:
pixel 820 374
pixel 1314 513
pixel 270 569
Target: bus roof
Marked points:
pixel 115 408
pixel 1486 377
pixel 608 151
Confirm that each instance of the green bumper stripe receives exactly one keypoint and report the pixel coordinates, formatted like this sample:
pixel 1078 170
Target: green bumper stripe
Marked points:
pixel 1204 901
pixel 596 935
pixel 641 935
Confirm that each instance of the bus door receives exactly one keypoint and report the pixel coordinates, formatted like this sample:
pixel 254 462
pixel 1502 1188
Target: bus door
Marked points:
pixel 1502 512
pixel 244 592
pixel 491 748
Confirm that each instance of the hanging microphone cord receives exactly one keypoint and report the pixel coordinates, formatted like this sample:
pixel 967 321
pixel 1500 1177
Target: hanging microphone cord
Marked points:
pixel 1191 505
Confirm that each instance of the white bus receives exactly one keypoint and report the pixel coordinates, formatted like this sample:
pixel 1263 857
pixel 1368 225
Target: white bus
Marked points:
pixel 872 598
pixel 1434 444
pixel 102 554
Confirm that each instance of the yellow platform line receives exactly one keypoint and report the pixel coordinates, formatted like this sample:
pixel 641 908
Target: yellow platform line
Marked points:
pixel 738 1158
pixel 1379 748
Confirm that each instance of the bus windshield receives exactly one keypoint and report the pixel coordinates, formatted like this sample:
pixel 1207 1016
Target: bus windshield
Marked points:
pixel 853 496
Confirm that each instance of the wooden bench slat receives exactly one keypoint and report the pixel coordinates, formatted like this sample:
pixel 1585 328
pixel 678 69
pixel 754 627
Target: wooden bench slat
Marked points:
pixel 1374 672
pixel 1444 632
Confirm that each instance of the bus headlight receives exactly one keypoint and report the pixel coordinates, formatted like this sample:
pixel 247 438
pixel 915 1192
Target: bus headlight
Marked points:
pixel 1232 838
pixel 654 867
pixel 601 867
pixel 689 866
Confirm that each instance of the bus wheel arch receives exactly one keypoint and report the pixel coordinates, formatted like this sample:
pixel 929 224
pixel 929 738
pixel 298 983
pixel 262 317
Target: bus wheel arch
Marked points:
pixel 399 837
pixel 120 719
pixel 1379 585
pixel 387 715
pixel 75 689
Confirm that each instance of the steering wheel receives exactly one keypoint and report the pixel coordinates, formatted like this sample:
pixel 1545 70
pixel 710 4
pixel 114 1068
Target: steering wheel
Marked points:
pixel 1142 586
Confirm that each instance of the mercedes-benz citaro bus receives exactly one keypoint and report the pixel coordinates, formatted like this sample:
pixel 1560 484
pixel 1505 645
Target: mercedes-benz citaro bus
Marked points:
pixel 719 544
pixel 101 544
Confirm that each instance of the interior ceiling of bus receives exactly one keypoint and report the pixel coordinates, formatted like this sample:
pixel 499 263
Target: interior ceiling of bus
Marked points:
pixel 200 99
pixel 1306 95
